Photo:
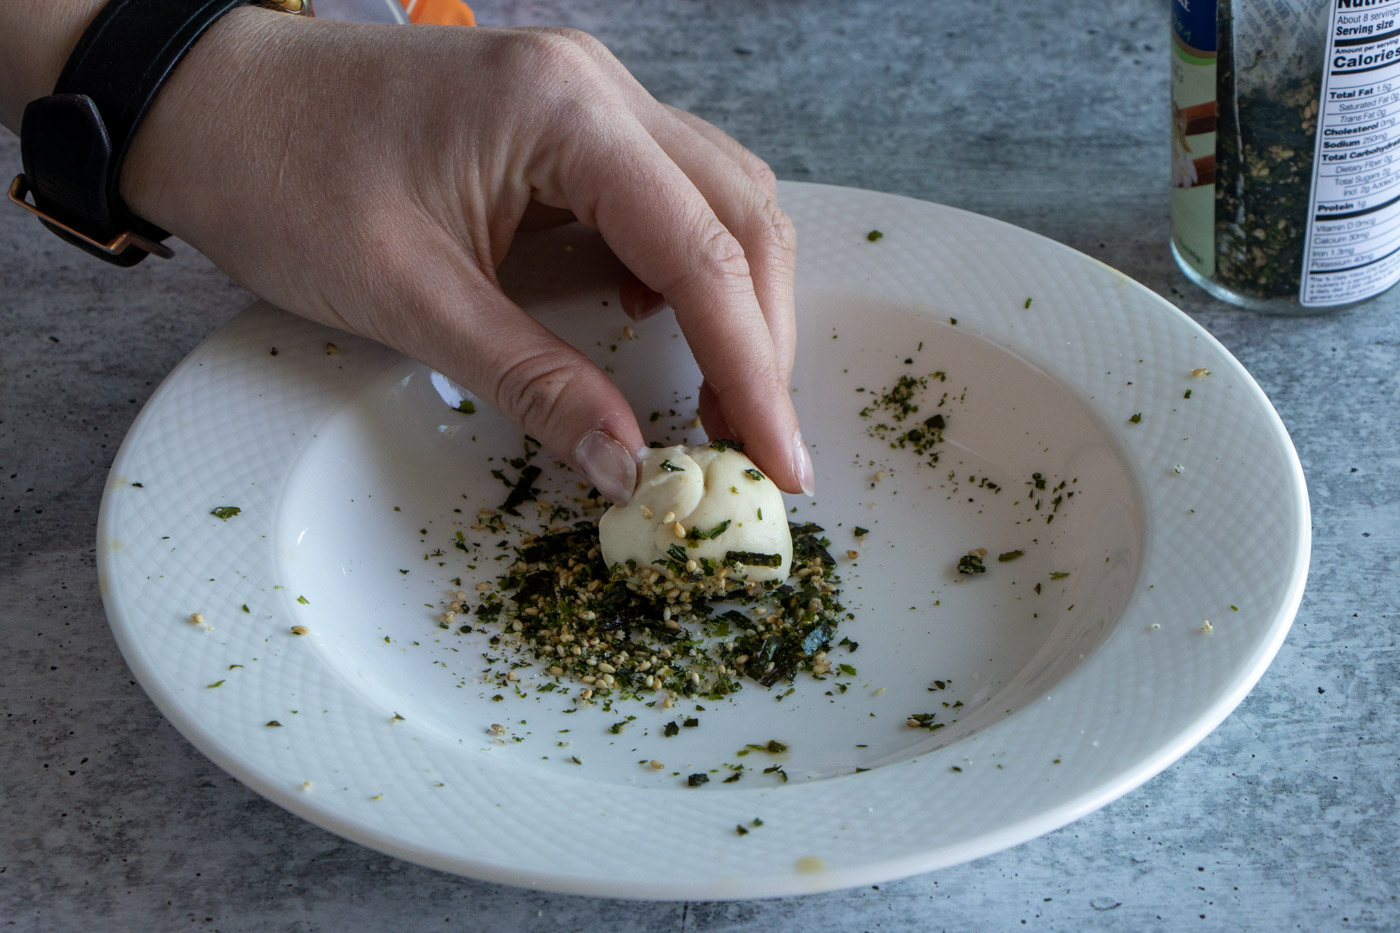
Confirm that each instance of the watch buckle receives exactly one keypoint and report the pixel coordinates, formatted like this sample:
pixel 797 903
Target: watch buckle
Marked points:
pixel 19 193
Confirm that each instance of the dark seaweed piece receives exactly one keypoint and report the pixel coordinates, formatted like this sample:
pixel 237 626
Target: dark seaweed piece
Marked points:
pixel 522 491
pixel 754 559
pixel 810 548
pixel 819 637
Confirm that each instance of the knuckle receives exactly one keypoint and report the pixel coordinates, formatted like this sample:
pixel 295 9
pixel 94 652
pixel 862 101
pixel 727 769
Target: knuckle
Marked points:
pixel 778 227
pixel 585 41
pixel 720 259
pixel 534 389
pixel 762 175
pixel 545 54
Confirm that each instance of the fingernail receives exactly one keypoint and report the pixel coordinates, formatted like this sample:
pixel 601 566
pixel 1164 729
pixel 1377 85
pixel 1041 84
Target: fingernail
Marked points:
pixel 607 464
pixel 802 465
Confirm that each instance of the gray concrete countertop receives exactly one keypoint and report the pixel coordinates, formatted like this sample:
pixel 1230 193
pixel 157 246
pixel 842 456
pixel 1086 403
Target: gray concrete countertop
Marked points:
pixel 1284 818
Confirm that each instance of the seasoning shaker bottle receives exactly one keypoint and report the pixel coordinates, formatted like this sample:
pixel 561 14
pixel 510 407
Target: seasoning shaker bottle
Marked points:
pixel 1286 150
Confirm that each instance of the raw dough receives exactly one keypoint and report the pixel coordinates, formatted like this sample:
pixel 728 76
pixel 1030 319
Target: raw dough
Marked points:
pixel 693 491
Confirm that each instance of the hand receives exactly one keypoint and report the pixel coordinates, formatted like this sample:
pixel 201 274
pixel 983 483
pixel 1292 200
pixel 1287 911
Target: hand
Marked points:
pixel 371 178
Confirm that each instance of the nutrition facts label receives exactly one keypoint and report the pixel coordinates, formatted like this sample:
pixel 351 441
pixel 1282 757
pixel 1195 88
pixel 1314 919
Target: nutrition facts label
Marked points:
pixel 1353 244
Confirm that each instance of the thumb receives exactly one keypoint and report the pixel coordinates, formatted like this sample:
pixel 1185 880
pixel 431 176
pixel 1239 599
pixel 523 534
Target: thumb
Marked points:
pixel 548 388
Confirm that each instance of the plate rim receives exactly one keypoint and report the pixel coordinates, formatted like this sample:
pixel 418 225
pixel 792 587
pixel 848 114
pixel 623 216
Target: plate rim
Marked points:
pixel 779 883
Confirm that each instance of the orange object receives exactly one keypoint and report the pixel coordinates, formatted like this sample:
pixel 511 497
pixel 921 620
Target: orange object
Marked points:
pixel 441 12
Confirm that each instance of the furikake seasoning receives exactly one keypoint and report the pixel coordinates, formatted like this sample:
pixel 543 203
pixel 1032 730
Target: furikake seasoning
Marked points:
pixel 1268 108
pixel 682 628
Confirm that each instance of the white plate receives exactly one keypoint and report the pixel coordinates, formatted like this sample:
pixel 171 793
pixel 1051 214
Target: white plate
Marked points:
pixel 349 472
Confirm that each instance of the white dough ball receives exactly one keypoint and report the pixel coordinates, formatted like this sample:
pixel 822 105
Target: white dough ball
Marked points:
pixel 686 496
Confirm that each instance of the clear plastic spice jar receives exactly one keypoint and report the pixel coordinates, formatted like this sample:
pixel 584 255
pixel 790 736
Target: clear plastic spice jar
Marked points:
pixel 1286 150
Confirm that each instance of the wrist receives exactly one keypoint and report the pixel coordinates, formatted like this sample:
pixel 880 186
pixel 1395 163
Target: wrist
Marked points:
pixel 207 90
pixel 39 37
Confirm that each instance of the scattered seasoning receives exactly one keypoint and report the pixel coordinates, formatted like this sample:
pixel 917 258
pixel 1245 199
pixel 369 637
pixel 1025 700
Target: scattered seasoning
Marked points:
pixel 923 721
pixel 225 512
pixel 874 235
pixel 695 780
pixel 644 632
pixel 1136 418
pixel 900 403
pixel 971 563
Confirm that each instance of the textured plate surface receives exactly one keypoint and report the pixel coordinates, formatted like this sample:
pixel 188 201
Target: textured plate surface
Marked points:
pixel 1145 496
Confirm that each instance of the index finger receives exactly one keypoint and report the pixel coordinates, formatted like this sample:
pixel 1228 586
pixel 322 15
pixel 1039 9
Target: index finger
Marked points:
pixel 665 231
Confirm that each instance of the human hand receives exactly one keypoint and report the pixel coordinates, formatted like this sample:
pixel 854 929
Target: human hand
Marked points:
pixel 372 178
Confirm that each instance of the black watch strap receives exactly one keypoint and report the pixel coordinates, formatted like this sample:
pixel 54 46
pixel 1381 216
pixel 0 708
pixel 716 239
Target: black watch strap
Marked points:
pixel 73 142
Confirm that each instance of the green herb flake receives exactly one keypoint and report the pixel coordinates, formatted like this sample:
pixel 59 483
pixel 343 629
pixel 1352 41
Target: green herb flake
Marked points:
pixel 1010 555
pixel 971 563
pixel 1059 574
pixel 848 670
pixel 739 827
pixel 272 724
pixel 753 474
pixel 861 532
pixel 695 780
pixel 670 467
pixel 466 406
pixel 1136 418
pixel 225 512
pixel 303 600
pixel 874 235
pixel 1028 304
pixel 217 683
pixel 725 444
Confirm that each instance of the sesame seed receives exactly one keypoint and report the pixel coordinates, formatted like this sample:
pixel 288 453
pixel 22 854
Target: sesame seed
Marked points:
pixel 300 630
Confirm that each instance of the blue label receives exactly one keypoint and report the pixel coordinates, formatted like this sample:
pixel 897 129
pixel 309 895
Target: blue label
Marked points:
pixel 1193 24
